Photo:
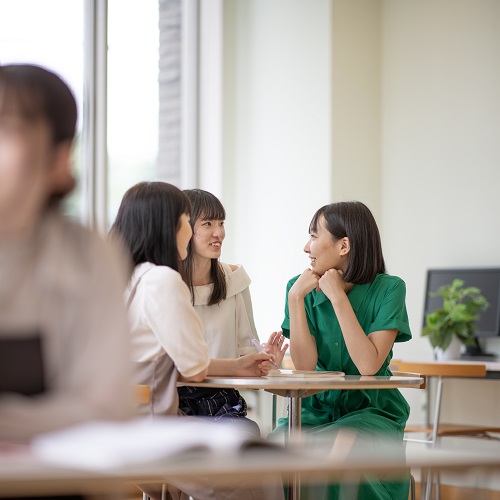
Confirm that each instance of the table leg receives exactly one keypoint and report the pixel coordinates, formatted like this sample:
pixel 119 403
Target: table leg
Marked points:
pixel 294 417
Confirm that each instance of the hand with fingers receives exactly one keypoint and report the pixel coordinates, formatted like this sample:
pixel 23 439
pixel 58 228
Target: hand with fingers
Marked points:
pixel 276 346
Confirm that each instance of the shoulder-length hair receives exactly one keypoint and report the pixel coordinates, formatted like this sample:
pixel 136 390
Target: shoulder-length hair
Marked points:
pixel 353 219
pixel 205 206
pixel 148 220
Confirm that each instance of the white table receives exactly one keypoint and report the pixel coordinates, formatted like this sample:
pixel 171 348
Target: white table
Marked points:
pixel 295 387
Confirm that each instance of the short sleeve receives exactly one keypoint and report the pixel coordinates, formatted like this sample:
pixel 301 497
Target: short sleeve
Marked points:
pixel 392 312
pixel 285 325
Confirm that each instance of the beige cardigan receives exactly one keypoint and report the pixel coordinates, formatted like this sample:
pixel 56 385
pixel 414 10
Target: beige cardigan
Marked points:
pixel 66 283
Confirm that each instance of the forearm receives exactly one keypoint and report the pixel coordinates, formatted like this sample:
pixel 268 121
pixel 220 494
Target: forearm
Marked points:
pixel 302 344
pixel 223 367
pixel 362 350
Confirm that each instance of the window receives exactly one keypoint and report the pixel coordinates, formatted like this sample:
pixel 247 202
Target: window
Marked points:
pixel 32 32
pixel 133 96
pixel 122 59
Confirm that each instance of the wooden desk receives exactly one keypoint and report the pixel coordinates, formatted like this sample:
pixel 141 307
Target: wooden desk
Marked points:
pixel 442 370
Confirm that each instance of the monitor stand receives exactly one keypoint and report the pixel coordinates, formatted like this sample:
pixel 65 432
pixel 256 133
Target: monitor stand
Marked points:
pixel 476 353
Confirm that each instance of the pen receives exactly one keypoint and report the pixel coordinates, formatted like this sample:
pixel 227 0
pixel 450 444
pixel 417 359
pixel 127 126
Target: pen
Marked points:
pixel 261 349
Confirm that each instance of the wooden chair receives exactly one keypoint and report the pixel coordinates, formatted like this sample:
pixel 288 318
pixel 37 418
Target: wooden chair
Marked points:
pixel 142 396
pixel 436 429
pixel 442 371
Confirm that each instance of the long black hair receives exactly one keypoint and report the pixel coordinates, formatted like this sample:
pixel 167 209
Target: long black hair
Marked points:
pixel 354 220
pixel 148 220
pixel 205 206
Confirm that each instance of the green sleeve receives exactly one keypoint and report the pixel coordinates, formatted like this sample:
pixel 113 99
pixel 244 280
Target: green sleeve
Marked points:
pixel 392 312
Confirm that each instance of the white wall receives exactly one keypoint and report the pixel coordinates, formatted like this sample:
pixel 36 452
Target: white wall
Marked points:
pixel 441 158
pixel 356 97
pixel 277 132
pixel 395 103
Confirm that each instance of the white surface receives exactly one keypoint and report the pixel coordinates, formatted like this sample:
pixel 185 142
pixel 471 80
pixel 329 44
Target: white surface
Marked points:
pixel 107 445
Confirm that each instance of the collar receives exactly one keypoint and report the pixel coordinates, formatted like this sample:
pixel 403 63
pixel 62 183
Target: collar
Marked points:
pixel 355 296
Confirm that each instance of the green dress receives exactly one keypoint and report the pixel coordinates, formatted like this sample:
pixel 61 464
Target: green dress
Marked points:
pixel 379 305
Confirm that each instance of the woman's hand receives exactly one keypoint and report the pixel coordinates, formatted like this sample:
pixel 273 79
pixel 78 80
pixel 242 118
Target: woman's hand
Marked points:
pixel 305 283
pixel 277 347
pixel 253 365
pixel 332 284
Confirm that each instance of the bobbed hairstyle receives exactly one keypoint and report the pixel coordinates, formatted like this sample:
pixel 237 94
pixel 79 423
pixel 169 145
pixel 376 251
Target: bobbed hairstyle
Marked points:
pixel 35 93
pixel 205 206
pixel 148 220
pixel 353 219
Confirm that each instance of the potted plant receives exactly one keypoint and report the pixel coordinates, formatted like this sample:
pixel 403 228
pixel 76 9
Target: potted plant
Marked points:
pixel 462 307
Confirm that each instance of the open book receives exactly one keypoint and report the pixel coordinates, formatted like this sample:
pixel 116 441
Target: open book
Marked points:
pixel 107 445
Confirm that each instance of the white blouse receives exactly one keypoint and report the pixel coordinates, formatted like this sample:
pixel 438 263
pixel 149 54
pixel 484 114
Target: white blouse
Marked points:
pixel 229 325
pixel 163 320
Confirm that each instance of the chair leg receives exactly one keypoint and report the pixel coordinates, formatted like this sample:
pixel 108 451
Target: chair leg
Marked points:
pixel 412 487
pixel 428 485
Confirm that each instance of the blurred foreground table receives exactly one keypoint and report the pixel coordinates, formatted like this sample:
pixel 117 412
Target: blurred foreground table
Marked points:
pixel 24 474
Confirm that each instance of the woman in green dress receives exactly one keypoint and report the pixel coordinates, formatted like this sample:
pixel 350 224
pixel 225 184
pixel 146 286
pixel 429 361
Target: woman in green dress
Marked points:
pixel 344 314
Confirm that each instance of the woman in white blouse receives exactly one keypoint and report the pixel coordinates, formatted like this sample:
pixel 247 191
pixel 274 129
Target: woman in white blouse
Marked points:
pixel 221 297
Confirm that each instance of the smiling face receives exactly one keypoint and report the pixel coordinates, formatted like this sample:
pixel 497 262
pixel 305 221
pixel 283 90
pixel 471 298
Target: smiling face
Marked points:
pixel 208 236
pixel 326 253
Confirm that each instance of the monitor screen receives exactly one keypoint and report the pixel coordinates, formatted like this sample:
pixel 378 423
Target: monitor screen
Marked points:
pixel 487 280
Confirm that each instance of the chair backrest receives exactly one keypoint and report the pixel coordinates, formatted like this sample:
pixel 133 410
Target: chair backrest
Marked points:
pixel 142 394
pixel 450 369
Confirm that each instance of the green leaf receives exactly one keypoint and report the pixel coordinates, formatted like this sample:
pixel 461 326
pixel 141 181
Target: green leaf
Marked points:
pixel 462 307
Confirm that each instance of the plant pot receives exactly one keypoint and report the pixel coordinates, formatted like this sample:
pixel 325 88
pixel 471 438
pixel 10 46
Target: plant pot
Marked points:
pixel 450 354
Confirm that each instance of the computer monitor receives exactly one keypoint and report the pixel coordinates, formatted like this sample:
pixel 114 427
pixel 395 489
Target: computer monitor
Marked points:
pixel 488 281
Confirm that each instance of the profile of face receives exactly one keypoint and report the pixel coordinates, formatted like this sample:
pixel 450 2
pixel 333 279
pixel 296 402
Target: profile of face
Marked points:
pixel 184 233
pixel 37 125
pixel 324 252
pixel 26 155
pixel 208 236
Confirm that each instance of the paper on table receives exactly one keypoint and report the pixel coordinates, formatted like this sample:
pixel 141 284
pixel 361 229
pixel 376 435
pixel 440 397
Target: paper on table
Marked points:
pixel 305 373
pixel 105 445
